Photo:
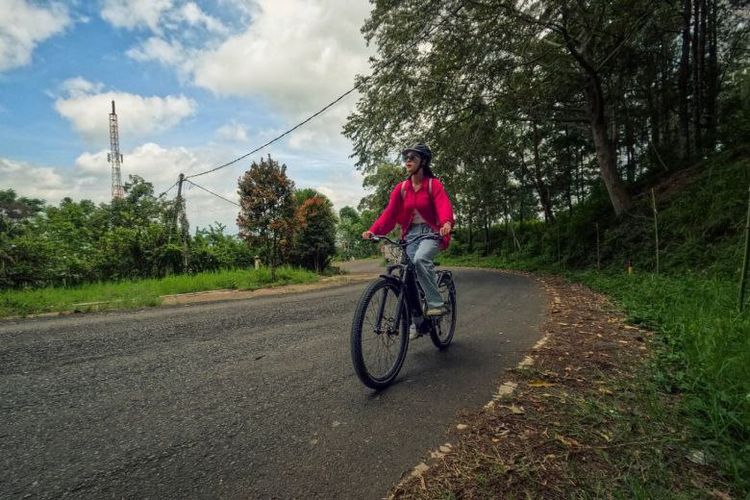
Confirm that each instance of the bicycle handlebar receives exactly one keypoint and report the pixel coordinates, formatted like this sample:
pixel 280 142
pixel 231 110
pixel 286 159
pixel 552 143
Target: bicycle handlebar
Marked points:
pixel 403 243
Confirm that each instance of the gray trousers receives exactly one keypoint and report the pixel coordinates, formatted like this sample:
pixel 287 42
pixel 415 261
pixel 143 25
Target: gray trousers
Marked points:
pixel 421 254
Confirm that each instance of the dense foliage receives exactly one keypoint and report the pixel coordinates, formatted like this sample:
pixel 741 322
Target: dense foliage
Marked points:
pixel 288 226
pixel 145 236
pixel 138 236
pixel 532 107
pixel 267 210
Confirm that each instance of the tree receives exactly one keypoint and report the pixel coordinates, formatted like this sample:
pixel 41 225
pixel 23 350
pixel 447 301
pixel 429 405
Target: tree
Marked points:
pixel 213 250
pixel 14 213
pixel 461 71
pixel 267 209
pixel 315 238
pixel 382 179
pixel 349 235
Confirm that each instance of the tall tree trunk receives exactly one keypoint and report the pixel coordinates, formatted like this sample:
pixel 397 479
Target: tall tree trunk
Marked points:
pixel 630 150
pixel 579 155
pixel 509 224
pixel 712 77
pixel 684 78
pixel 653 113
pixel 471 231
pixel 669 130
pixel 605 154
pixel 698 48
pixel 541 186
pixel 486 234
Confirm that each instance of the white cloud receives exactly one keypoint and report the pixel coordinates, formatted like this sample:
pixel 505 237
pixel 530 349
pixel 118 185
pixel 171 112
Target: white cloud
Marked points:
pixel 77 87
pixel 162 51
pixel 191 14
pixel 297 53
pixel 233 132
pixel 90 179
pixel 23 26
pixel 87 108
pixel 324 132
pixel 131 14
pixel 151 161
pixel 342 196
pixel 161 166
pixel 31 181
pixel 159 16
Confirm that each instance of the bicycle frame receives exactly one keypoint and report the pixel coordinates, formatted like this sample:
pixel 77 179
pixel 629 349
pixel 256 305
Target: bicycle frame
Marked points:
pixel 409 289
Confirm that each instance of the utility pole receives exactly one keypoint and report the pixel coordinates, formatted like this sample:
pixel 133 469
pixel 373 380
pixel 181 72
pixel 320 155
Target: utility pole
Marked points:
pixel 180 180
pixel 181 221
pixel 114 157
pixel 179 205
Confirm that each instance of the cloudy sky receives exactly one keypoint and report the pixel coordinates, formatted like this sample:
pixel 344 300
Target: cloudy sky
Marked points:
pixel 196 84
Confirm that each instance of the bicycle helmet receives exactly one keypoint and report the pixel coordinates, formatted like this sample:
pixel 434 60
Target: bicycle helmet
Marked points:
pixel 422 150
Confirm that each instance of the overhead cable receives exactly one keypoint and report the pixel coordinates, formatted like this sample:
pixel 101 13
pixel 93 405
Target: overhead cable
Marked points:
pixel 169 189
pixel 329 105
pixel 211 192
pixel 321 111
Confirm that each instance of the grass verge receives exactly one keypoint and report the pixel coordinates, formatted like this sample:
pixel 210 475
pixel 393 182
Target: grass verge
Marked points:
pixel 585 420
pixel 703 355
pixel 698 378
pixel 141 293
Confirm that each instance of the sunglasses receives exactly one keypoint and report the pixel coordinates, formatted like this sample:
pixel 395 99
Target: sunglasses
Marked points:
pixel 410 157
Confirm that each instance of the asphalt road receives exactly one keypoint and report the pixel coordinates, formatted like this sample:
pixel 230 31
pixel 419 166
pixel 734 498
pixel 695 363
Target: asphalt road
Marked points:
pixel 245 399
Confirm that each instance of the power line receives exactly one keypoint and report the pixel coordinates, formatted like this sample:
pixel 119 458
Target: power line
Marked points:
pixel 334 102
pixel 211 192
pixel 168 189
pixel 321 111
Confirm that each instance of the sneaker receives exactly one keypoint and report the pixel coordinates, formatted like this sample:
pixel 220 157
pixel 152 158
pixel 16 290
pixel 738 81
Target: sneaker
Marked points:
pixel 413 333
pixel 436 311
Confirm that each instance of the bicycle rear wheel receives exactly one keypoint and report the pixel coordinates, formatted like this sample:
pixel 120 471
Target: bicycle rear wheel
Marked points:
pixel 379 335
pixel 445 326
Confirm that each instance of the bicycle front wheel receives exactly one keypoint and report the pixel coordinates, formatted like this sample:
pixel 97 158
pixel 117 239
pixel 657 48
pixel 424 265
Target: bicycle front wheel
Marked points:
pixel 379 335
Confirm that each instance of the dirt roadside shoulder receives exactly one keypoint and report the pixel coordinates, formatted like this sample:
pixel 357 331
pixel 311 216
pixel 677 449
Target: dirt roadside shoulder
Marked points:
pixel 580 417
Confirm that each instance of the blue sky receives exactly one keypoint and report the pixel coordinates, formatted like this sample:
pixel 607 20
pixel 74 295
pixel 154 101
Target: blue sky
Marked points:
pixel 197 83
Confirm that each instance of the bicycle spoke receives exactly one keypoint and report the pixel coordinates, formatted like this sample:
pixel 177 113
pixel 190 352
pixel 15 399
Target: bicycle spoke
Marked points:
pixel 380 333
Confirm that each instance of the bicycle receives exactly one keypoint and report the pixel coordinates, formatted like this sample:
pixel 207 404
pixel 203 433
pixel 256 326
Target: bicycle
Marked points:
pixel 386 309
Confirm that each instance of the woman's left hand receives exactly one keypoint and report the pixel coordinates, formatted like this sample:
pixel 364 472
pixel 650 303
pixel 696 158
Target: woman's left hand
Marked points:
pixel 446 229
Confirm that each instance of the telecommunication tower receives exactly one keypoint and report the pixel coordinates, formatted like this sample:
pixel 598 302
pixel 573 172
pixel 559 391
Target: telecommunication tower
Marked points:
pixel 114 157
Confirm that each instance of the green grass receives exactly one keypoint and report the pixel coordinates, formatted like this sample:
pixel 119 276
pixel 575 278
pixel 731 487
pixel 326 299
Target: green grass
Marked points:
pixel 703 351
pixel 704 355
pixel 141 293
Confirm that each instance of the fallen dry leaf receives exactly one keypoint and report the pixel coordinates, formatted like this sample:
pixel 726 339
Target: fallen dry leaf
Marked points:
pixel 540 383
pixel 720 495
pixel 514 409
pixel 569 442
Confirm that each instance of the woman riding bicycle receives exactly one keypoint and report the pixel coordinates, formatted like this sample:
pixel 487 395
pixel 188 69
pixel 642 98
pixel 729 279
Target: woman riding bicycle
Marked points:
pixel 419 205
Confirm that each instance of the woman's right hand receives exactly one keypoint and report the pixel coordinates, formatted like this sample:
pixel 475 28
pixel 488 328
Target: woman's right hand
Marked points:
pixel 367 235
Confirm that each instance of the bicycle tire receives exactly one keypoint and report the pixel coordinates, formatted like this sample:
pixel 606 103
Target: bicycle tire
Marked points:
pixel 392 335
pixel 439 338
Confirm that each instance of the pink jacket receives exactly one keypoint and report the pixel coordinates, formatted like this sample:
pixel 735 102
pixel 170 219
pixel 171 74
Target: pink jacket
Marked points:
pixel 436 209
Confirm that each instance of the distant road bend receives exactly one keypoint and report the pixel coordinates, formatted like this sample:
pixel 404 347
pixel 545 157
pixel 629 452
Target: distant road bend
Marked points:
pixel 244 399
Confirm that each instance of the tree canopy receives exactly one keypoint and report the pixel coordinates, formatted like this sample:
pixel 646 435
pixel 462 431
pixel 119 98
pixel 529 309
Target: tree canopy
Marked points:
pixel 553 98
